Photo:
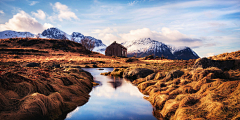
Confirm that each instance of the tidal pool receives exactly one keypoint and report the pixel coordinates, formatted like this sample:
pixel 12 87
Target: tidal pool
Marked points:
pixel 114 99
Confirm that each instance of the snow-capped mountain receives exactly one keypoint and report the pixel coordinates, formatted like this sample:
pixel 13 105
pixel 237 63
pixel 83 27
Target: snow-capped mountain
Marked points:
pixel 184 53
pixel 76 36
pixel 99 46
pixel 14 34
pixel 140 48
pixel 55 34
pixel 147 46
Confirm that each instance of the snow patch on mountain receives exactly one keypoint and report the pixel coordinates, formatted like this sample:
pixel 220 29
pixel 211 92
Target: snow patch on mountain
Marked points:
pixel 75 36
pixel 14 34
pixel 174 49
pixel 55 34
pixel 182 48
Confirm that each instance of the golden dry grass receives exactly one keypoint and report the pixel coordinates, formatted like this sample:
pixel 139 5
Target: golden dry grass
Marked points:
pixel 227 56
pixel 210 93
pixel 41 93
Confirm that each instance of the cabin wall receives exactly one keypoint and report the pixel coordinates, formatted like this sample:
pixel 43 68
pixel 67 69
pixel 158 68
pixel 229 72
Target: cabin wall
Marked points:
pixel 116 50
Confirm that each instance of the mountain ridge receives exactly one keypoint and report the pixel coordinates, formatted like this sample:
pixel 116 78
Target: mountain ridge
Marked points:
pixel 139 48
pixel 75 36
pixel 146 46
pixel 13 34
pixel 55 33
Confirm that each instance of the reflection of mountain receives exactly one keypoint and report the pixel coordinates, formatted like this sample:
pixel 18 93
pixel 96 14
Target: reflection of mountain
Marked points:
pixel 117 82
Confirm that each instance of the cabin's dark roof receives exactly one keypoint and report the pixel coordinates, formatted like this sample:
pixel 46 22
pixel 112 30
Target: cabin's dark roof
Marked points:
pixel 118 44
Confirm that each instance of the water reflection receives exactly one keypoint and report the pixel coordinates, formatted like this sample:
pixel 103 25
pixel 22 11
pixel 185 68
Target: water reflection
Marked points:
pixel 115 98
pixel 116 82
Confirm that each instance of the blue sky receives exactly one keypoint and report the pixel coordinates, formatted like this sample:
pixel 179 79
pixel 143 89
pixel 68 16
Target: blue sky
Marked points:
pixel 209 27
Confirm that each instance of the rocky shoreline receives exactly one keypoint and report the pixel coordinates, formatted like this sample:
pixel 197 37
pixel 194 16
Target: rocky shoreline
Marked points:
pixel 210 89
pixel 35 92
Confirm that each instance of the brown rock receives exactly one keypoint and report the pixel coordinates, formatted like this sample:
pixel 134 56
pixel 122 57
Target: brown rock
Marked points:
pixel 137 73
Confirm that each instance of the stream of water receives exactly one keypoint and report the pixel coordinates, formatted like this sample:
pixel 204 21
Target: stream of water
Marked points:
pixel 114 99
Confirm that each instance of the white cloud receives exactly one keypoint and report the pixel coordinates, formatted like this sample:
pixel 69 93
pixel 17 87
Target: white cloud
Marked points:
pixel 210 54
pixel 47 25
pixel 40 14
pixel 33 3
pixel 106 34
pixel 63 12
pixel 24 22
pixel 52 18
pixel 167 36
pixel 96 1
pixel 132 3
pixel 1 12
pixel 105 31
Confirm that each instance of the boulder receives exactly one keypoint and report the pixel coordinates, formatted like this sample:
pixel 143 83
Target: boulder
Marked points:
pixel 117 72
pixel 106 73
pixel 151 76
pixel 56 66
pixel 174 74
pixel 75 66
pixel 137 73
pixel 32 64
pixel 206 63
pixel 159 75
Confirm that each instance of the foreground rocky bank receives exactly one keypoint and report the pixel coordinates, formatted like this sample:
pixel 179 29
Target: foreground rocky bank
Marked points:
pixel 210 89
pixel 30 92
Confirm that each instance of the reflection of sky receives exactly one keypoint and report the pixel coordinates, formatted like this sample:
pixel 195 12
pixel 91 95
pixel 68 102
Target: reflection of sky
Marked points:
pixel 106 102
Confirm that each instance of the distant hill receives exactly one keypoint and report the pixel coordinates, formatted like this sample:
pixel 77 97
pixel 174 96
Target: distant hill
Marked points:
pixel 227 56
pixel 19 45
pixel 147 46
